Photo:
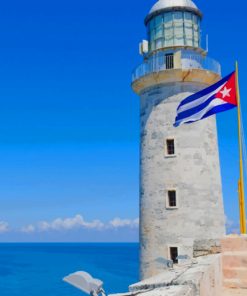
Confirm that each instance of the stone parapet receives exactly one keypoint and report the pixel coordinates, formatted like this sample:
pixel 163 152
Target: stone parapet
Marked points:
pixel 222 274
pixel 234 243
pixel 202 277
pixel 234 260
pixel 160 280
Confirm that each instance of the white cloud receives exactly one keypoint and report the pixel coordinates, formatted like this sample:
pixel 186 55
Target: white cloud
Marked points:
pixel 118 223
pixel 28 229
pixel 69 224
pixel 4 227
pixel 78 222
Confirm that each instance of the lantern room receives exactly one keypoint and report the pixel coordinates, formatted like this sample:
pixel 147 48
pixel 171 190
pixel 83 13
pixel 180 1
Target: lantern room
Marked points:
pixel 173 23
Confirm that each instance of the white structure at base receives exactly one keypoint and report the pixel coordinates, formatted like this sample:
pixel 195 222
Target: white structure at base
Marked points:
pixel 181 207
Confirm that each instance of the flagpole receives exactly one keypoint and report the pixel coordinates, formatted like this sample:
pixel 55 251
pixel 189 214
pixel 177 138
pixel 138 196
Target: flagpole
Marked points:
pixel 241 180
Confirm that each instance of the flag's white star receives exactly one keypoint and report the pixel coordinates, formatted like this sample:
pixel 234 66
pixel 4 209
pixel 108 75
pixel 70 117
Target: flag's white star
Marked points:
pixel 226 92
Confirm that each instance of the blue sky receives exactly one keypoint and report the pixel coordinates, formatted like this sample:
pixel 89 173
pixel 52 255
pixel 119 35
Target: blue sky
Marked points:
pixel 69 121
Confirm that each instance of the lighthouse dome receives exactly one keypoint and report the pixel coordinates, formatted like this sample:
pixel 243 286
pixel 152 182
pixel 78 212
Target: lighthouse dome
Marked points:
pixel 169 5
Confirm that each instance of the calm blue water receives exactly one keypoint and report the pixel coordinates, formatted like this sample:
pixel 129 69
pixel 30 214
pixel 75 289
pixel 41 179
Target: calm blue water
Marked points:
pixel 38 269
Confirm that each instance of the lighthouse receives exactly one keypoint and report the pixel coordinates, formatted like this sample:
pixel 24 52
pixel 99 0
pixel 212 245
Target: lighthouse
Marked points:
pixel 181 204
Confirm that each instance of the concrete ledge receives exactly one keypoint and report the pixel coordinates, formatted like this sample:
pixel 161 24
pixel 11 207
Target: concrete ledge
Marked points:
pixel 205 278
pixel 165 291
pixel 161 280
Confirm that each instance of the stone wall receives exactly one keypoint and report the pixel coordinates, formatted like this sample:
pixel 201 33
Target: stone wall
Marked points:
pixel 197 224
pixel 222 274
pixel 201 278
pixel 234 259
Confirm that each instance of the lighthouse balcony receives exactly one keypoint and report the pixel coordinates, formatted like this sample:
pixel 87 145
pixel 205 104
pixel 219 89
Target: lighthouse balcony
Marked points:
pixel 165 61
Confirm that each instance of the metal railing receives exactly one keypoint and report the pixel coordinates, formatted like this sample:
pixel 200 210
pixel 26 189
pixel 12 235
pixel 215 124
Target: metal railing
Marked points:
pixel 162 61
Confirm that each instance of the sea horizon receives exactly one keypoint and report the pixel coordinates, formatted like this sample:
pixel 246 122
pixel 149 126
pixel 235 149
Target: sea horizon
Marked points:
pixel 37 269
pixel 69 243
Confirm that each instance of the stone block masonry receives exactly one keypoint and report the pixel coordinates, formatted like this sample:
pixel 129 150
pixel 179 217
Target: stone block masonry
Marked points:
pixel 223 274
pixel 193 172
pixel 203 278
pixel 234 260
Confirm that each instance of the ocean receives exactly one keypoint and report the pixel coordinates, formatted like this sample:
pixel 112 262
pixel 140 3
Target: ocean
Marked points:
pixel 38 269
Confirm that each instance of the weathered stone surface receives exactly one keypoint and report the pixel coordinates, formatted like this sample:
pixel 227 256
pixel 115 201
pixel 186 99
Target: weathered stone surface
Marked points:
pixel 234 243
pixel 234 292
pixel 206 247
pixel 236 284
pixel 234 259
pixel 194 172
pixel 165 291
pixel 235 273
pixel 205 278
pixel 160 280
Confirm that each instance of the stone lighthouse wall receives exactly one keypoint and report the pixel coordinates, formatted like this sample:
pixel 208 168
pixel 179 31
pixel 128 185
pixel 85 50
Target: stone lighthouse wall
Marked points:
pixel 197 223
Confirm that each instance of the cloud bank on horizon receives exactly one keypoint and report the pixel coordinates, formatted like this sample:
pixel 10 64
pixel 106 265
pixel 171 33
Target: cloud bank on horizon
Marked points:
pixel 77 224
pixel 72 223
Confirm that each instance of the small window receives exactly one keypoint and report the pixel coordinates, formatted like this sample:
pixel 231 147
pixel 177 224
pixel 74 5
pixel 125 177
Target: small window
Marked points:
pixel 172 198
pixel 170 147
pixel 174 254
pixel 169 61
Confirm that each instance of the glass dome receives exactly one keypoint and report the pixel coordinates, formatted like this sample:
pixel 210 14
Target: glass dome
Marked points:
pixel 174 28
pixel 172 23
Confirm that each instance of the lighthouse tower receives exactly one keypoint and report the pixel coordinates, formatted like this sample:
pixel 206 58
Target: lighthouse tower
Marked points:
pixel 181 207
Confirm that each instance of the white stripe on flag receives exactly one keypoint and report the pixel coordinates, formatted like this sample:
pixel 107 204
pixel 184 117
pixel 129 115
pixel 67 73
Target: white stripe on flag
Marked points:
pixel 199 115
pixel 199 101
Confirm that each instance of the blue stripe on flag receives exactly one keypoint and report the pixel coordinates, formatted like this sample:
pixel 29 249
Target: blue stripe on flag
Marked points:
pixel 213 111
pixel 194 110
pixel 205 91
pixel 218 109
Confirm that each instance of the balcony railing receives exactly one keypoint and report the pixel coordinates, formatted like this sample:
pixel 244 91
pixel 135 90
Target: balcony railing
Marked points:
pixel 185 60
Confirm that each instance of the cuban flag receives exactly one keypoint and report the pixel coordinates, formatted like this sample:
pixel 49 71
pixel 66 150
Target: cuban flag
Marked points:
pixel 216 98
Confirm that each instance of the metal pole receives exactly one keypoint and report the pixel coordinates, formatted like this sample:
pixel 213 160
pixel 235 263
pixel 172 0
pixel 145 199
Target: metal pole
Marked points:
pixel 241 181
